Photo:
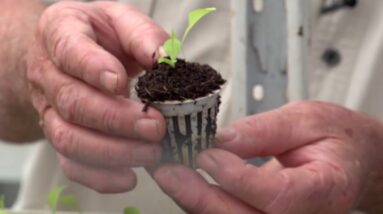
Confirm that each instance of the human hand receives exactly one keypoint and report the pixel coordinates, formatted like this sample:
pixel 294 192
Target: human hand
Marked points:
pixel 323 157
pixel 79 69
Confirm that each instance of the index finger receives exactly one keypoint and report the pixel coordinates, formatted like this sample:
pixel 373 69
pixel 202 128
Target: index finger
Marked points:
pixel 139 35
pixel 195 195
pixel 281 130
pixel 85 42
pixel 305 189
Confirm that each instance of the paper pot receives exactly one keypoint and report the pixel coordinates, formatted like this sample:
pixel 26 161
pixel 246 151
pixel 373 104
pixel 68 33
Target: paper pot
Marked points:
pixel 191 127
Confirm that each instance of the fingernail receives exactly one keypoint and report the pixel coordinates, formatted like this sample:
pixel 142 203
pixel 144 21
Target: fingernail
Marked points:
pixel 149 47
pixel 147 129
pixel 225 135
pixel 161 51
pixel 168 180
pixel 109 80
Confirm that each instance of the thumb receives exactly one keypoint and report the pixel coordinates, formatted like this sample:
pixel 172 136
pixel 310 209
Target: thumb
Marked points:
pixel 278 131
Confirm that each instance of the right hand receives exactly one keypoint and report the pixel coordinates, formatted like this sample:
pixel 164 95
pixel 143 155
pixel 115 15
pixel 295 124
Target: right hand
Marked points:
pixel 325 157
pixel 79 69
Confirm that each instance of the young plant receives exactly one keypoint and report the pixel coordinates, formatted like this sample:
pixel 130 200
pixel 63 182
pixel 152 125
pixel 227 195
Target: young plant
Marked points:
pixel 2 205
pixel 173 45
pixel 131 210
pixel 55 198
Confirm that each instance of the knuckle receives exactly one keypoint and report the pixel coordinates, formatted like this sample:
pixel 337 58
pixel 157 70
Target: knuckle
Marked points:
pixel 48 13
pixel 110 120
pixel 57 28
pixel 53 13
pixel 342 183
pixel 260 126
pixel 144 27
pixel 68 58
pixel 63 140
pixel 203 204
pixel 36 68
pixel 68 102
pixel 129 157
pixel 54 8
pixel 224 207
pixel 281 198
pixel 38 100
pixel 112 156
pixel 85 61
pixel 319 186
pixel 64 5
pixel 61 46
pixel 242 182
pixel 61 7
pixel 153 155
pixel 32 74
pixel 68 170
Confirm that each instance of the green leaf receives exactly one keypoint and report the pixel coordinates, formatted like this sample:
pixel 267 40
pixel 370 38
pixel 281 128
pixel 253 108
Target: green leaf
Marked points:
pixel 69 200
pixel 2 205
pixel 172 47
pixel 131 210
pixel 167 61
pixel 54 197
pixel 195 16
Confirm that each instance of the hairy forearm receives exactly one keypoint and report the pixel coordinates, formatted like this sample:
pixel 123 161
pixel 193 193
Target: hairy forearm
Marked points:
pixel 18 120
pixel 371 200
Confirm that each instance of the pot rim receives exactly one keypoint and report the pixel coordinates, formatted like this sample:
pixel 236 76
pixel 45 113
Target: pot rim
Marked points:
pixel 175 102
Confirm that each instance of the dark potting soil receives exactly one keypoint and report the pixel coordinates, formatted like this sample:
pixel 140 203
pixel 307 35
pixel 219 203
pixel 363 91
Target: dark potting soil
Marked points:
pixel 187 80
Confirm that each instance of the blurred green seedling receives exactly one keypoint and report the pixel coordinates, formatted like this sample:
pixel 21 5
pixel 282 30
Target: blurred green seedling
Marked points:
pixel 2 205
pixel 173 45
pixel 56 198
pixel 131 210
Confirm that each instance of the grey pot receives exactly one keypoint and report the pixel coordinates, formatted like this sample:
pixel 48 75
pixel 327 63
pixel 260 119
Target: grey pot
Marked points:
pixel 191 127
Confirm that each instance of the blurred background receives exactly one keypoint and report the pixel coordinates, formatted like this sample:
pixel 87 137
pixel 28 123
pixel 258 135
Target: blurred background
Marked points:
pixel 12 160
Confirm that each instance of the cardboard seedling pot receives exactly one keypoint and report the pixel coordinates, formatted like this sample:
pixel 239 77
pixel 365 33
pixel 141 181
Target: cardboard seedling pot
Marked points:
pixel 191 127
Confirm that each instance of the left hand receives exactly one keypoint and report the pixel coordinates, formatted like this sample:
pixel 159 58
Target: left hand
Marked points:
pixel 79 73
pixel 323 157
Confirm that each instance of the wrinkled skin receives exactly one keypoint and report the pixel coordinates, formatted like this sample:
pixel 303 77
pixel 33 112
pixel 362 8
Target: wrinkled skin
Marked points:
pixel 324 155
pixel 79 69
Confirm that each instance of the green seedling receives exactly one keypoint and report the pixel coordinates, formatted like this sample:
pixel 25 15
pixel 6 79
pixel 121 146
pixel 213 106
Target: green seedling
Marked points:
pixel 55 198
pixel 131 210
pixel 173 45
pixel 172 48
pixel 2 205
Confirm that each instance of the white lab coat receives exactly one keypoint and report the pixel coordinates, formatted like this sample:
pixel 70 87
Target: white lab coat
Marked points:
pixel 355 82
